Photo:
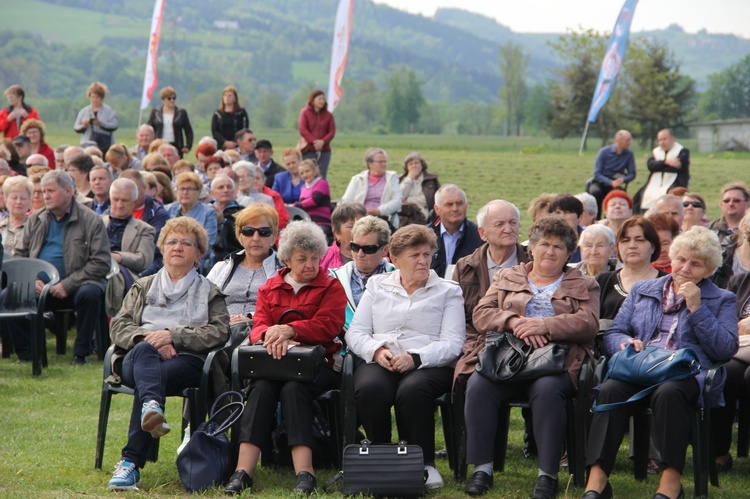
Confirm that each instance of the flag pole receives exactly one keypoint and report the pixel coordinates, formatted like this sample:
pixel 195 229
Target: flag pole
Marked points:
pixel 583 139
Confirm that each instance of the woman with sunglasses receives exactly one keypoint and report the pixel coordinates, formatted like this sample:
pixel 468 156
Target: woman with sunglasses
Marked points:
pixel 172 123
pixel 242 273
pixel 693 210
pixel 369 247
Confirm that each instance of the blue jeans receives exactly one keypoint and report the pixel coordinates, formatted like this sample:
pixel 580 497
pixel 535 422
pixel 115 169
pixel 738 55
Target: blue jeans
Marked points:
pixel 153 379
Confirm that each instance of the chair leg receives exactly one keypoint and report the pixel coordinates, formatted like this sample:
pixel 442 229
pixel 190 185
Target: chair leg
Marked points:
pixel 700 453
pixel 103 342
pixel 36 357
pixel 501 439
pixel 459 431
pixel 62 325
pixel 101 434
pixel 743 431
pixel 575 443
pixel 640 437
pixel 450 443
pixel 7 341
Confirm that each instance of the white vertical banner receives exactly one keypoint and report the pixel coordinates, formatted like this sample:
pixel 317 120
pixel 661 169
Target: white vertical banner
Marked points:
pixel 151 80
pixel 342 33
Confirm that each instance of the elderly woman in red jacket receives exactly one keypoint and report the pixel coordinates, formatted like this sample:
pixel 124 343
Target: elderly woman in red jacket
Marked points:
pixel 320 301
pixel 317 129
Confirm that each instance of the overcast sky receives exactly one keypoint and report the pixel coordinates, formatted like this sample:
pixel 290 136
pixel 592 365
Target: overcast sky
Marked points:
pixel 554 16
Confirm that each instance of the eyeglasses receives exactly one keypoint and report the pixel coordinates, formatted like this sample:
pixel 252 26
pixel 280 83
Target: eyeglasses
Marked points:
pixel 186 189
pixel 369 249
pixel 184 243
pixel 732 200
pixel 248 231
pixel 694 204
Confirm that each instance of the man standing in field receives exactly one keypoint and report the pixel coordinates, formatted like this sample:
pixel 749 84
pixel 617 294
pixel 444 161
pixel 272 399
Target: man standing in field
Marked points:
pixel 457 235
pixel 669 166
pixel 614 168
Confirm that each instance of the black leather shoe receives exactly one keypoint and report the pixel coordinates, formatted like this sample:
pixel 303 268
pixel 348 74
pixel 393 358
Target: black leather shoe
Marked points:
pixel 78 360
pixel 604 494
pixel 479 484
pixel 545 488
pixel 238 482
pixel 306 483
pixel 662 496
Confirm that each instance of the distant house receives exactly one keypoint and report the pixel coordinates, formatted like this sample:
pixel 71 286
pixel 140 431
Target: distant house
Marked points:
pixel 227 25
pixel 722 135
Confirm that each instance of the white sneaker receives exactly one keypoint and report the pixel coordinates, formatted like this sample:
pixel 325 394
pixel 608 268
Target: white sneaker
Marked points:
pixel 434 480
pixel 185 439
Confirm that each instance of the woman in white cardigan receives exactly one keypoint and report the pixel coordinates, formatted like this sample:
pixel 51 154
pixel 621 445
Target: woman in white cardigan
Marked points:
pixel 409 328
pixel 377 188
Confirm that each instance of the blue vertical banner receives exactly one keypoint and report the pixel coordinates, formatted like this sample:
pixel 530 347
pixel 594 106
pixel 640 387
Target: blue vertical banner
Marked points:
pixel 613 58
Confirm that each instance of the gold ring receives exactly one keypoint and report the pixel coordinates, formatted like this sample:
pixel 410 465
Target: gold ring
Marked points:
pixel 153 343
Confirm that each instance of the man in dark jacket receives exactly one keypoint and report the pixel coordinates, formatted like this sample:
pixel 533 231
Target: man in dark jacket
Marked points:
pixel 73 239
pixel 151 212
pixel 457 236
pixel 264 154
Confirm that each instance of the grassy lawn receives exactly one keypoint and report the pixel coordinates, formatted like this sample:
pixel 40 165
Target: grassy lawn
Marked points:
pixel 49 423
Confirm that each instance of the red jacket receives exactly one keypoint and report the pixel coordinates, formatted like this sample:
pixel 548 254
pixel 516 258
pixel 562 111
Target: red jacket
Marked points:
pixel 316 126
pixel 323 301
pixel 46 151
pixel 10 127
pixel 278 203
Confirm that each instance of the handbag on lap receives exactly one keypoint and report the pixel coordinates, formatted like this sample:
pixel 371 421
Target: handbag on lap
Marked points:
pixel 505 358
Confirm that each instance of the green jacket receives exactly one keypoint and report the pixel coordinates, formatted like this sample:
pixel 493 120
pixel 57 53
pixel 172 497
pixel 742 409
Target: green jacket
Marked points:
pixel 126 329
pixel 86 254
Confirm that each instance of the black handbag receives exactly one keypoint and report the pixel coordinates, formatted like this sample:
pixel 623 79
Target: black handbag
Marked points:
pixel 103 140
pixel 506 357
pixel 651 367
pixel 301 363
pixel 206 460
pixel 392 470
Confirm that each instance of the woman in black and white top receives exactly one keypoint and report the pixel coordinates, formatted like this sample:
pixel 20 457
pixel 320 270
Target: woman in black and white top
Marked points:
pixel 172 123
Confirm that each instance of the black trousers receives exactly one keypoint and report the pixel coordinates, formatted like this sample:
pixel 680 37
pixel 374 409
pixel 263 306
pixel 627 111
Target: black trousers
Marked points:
pixel 376 390
pixel 737 387
pixel 259 418
pixel 546 395
pixel 671 428
pixel 88 303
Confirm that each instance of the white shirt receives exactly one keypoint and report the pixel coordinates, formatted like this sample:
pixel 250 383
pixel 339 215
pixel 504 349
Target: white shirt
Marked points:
pixel 168 132
pixel 430 322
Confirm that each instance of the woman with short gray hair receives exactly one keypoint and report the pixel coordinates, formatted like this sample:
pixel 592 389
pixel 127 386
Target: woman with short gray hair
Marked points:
pixel 681 310
pixel 597 243
pixel 317 302
pixel 377 188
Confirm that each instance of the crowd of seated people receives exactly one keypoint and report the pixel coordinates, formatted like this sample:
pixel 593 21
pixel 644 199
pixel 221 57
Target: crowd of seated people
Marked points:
pixel 166 214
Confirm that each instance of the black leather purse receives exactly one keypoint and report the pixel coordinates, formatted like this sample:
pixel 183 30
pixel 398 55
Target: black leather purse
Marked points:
pixel 391 470
pixel 301 363
pixel 505 358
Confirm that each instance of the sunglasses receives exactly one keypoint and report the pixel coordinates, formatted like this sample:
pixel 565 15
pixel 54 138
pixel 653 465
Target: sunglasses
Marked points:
pixel 248 231
pixel 369 249
pixel 170 98
pixel 694 204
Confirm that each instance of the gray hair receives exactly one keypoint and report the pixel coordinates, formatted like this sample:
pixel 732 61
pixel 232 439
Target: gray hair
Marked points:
pixel 61 178
pixel 302 235
pixel 42 157
pixel 18 183
pixel 247 166
pixel 451 188
pixel 372 152
pixel 701 243
pixel 663 198
pixel 210 140
pixel 224 176
pixel 372 225
pixel 102 168
pixel 598 230
pixel 482 213
pixel 146 126
pixel 124 184
pixel 589 203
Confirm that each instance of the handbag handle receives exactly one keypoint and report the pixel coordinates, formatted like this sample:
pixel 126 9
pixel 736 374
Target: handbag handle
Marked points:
pixel 290 311
pixel 237 408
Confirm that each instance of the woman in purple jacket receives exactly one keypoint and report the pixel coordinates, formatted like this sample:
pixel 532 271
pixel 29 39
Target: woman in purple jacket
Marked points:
pixel 681 310
pixel 315 196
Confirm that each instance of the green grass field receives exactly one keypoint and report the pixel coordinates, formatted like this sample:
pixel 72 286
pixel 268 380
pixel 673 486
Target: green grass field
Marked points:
pixel 49 423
